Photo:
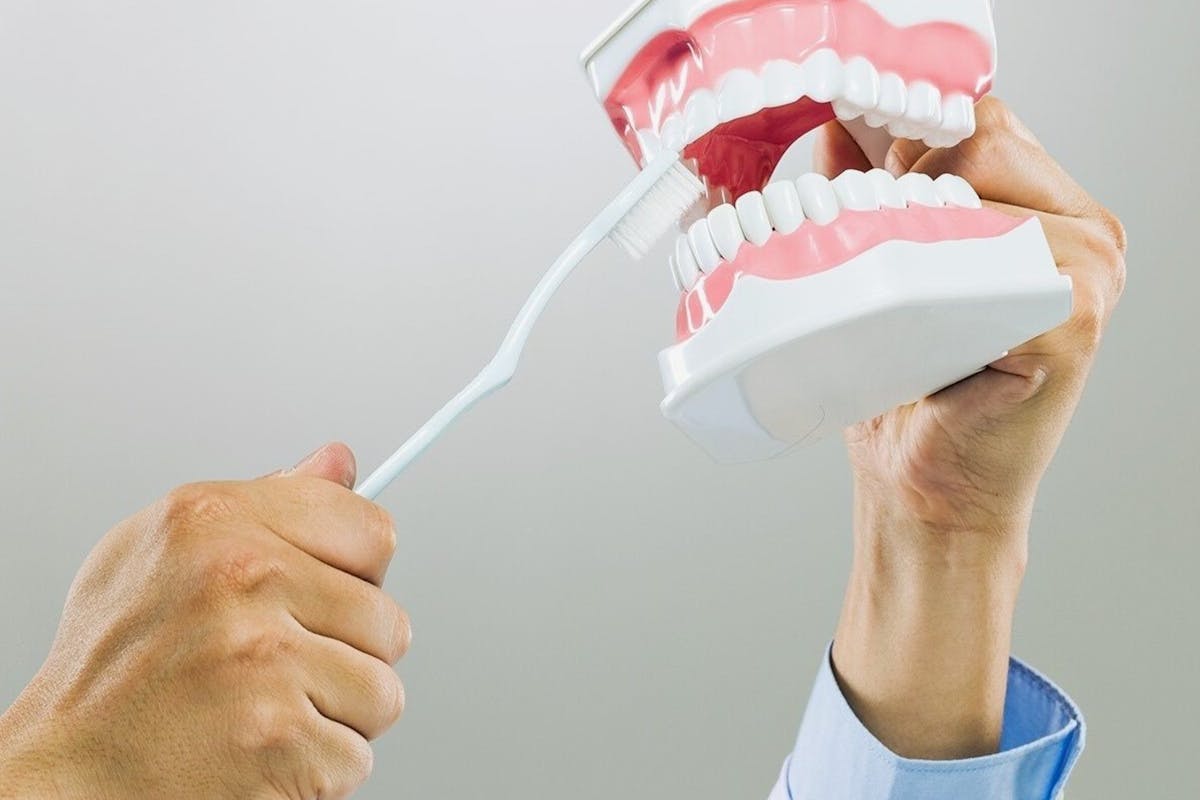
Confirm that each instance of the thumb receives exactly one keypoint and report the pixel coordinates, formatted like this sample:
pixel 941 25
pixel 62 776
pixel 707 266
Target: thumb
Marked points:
pixel 333 462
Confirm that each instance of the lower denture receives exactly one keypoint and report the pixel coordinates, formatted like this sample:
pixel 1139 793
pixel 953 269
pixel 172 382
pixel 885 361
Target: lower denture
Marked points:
pixel 813 249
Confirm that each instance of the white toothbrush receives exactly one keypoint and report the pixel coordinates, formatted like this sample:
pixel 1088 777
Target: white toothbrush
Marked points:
pixel 639 216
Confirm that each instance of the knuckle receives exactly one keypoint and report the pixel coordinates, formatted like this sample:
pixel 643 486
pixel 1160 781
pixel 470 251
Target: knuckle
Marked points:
pixel 242 571
pixel 992 113
pixel 1116 231
pixel 256 643
pixel 1089 319
pixel 195 503
pixel 382 530
pixel 271 729
pixel 401 638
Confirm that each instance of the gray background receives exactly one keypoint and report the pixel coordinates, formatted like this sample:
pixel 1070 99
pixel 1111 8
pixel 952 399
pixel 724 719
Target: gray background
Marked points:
pixel 230 231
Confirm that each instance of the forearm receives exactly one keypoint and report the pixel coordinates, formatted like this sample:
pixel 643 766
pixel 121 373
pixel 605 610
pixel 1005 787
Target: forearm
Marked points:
pixel 923 643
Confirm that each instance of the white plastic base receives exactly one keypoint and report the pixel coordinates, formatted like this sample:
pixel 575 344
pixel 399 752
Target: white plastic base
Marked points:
pixel 786 362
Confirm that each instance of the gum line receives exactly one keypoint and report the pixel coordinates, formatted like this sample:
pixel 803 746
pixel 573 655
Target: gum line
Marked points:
pixel 748 34
pixel 813 249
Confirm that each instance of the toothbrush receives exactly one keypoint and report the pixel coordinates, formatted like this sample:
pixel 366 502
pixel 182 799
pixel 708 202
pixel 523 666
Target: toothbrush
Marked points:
pixel 639 216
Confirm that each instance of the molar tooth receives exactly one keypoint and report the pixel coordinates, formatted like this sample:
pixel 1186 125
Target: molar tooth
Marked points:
pixel 824 75
pixel 862 84
pixel 672 133
pixel 886 190
pixel 958 117
pixel 685 261
pixel 783 206
pixel 918 188
pixel 726 231
pixel 783 83
pixel 700 114
pixel 924 105
pixel 893 96
pixel 817 198
pixel 955 191
pixel 741 95
pixel 703 246
pixel 752 213
pixel 855 192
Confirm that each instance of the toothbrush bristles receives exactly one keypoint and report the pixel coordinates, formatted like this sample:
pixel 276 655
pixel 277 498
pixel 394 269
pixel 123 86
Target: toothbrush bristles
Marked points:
pixel 662 207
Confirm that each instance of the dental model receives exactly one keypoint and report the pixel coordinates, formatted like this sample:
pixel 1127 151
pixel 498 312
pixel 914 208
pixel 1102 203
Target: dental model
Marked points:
pixel 810 304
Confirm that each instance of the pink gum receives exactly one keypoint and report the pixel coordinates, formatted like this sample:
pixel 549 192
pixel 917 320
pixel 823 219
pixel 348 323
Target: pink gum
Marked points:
pixel 749 33
pixel 813 249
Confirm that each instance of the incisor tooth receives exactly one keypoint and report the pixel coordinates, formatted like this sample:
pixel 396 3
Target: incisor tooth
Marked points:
pixel 955 191
pixel 893 96
pixel 862 84
pixel 703 246
pixel 918 188
pixel 685 260
pixel 854 191
pixel 783 206
pixel 726 231
pixel 672 133
pixel 741 95
pixel 783 83
pixel 823 75
pixel 817 198
pixel 700 114
pixel 752 213
pixel 958 116
pixel 886 190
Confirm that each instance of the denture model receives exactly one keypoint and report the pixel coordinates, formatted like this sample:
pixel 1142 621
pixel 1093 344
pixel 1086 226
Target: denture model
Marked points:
pixel 809 304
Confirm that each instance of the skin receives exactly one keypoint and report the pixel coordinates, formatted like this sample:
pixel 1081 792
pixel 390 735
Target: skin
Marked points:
pixel 230 641
pixel 944 489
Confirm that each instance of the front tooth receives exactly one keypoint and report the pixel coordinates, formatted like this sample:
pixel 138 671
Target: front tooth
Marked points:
pixel 918 188
pixel 846 111
pixel 700 114
pixel 741 95
pixel 783 206
pixel 893 96
pixel 752 213
pixel 783 83
pixel 651 146
pixel 824 75
pixel 674 264
pixel 685 260
pixel 672 133
pixel 924 105
pixel 817 198
pixel 955 191
pixel 703 246
pixel 958 116
pixel 886 190
pixel 854 191
pixel 726 231
pixel 862 84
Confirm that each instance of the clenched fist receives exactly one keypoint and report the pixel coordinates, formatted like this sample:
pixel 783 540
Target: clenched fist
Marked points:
pixel 230 641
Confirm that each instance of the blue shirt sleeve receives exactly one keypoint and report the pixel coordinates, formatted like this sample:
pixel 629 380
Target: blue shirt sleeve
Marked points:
pixel 836 758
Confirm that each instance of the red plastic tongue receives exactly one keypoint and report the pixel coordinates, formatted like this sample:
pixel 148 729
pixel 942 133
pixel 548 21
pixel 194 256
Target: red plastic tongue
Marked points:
pixel 742 155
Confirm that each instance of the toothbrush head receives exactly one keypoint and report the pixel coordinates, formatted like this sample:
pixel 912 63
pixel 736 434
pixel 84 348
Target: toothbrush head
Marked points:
pixel 672 191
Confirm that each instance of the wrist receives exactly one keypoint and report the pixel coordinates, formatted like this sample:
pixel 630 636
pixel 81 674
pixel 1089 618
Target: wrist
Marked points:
pixel 34 764
pixel 922 646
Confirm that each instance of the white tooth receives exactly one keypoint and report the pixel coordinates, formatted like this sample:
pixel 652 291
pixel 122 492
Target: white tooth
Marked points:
pixel 651 146
pixel 685 260
pixel 783 206
pixel 886 190
pixel 940 138
pixel 918 188
pixel 752 213
pixel 846 111
pixel 700 115
pixel 726 231
pixel 703 246
pixel 824 75
pixel 893 96
pixel 783 83
pixel 924 105
pixel 741 95
pixel 671 261
pixel 862 84
pixel 958 117
pixel 874 119
pixel 854 192
pixel 955 191
pixel 817 198
pixel 672 133
pixel 903 129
